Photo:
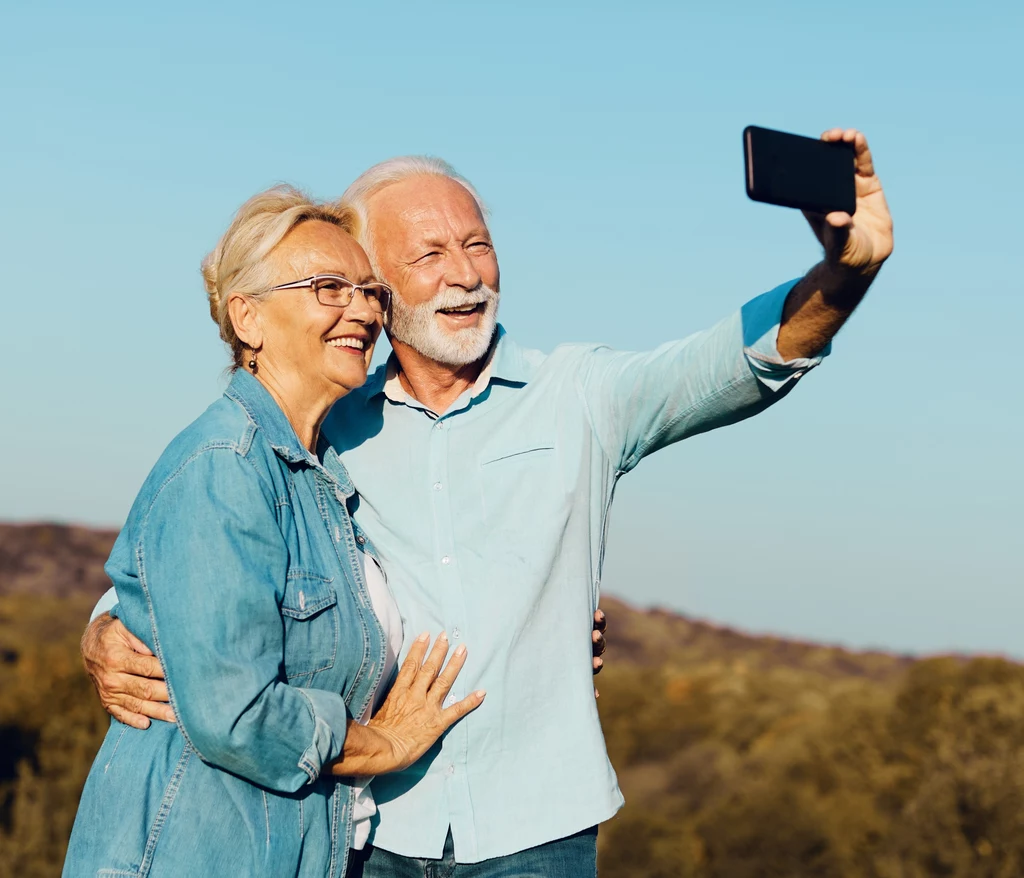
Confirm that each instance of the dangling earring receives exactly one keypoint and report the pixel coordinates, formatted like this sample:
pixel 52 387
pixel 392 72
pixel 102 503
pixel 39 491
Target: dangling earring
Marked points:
pixel 254 367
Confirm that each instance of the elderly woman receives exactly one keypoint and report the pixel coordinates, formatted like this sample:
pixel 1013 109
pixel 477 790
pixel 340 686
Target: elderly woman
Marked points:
pixel 240 569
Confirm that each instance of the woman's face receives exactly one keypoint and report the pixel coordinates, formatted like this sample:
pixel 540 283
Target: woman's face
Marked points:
pixel 322 349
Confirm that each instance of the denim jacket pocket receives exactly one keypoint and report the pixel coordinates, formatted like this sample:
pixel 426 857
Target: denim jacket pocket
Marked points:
pixel 310 611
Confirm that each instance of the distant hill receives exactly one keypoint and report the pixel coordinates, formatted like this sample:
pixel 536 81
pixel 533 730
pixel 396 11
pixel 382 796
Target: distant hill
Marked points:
pixel 56 560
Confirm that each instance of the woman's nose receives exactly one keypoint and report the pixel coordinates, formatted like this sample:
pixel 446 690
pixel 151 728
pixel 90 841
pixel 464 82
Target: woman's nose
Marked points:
pixel 359 309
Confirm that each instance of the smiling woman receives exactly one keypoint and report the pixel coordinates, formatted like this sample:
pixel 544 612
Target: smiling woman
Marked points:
pixel 240 570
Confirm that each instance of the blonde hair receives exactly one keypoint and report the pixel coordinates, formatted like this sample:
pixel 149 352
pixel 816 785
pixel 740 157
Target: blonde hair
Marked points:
pixel 239 264
pixel 390 171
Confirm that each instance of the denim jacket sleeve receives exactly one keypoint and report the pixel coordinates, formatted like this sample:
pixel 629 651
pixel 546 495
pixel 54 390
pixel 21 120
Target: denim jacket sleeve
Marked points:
pixel 212 564
pixel 640 402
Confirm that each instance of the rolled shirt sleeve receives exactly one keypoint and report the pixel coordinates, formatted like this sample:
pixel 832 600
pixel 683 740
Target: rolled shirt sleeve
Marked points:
pixel 762 319
pixel 640 402
pixel 212 565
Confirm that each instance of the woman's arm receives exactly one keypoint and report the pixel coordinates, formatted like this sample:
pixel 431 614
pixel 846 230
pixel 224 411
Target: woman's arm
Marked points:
pixel 212 564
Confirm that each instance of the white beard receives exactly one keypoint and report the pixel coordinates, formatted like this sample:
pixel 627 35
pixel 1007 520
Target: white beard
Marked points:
pixel 417 326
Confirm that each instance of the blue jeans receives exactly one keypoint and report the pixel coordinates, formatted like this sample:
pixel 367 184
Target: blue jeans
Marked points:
pixel 572 857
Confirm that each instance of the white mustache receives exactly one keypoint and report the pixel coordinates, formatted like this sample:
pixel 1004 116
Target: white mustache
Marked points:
pixel 455 297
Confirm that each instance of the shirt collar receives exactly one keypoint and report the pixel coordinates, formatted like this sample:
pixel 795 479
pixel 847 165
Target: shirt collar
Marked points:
pixel 504 362
pixel 266 414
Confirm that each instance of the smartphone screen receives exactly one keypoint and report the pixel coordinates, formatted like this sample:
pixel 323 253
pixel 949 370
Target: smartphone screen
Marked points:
pixel 794 171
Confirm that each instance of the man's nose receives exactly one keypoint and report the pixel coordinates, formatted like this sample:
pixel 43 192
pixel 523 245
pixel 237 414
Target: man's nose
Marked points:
pixel 461 272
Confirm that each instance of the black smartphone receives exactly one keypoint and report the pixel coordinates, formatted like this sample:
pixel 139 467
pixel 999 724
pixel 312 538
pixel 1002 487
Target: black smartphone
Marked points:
pixel 794 171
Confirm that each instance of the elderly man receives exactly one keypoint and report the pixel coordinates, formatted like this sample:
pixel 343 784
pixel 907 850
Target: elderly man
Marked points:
pixel 485 473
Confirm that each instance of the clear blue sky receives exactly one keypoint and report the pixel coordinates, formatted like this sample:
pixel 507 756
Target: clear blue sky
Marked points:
pixel 879 505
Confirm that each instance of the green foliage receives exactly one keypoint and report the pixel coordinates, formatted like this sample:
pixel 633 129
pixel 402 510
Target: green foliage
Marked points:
pixel 737 773
pixel 51 726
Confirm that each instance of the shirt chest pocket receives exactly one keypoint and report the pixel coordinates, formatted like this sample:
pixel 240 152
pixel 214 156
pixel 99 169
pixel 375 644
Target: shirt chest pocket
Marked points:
pixel 310 612
pixel 513 474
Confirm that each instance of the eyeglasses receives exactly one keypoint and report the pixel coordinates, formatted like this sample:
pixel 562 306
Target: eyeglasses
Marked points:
pixel 336 291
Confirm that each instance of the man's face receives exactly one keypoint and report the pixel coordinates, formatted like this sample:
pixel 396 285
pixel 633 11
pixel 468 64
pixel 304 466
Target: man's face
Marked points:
pixel 432 245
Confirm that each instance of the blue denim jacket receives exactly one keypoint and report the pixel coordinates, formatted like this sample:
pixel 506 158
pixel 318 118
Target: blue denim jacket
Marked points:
pixel 239 568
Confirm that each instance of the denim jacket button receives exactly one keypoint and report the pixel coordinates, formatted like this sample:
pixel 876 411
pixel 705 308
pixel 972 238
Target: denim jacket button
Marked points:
pixel 361 540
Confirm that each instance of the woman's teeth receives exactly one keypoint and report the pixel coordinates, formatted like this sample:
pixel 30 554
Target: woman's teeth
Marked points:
pixel 356 343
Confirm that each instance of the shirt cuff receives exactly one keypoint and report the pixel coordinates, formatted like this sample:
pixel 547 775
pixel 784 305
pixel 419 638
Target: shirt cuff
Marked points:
pixel 330 722
pixel 761 319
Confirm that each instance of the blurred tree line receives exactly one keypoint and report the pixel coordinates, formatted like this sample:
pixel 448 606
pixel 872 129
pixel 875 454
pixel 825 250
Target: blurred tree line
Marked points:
pixel 735 763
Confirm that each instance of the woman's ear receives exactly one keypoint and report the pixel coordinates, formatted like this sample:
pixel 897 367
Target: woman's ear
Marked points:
pixel 246 320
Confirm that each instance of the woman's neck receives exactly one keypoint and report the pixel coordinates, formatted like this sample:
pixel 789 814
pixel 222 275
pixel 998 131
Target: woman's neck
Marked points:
pixel 304 406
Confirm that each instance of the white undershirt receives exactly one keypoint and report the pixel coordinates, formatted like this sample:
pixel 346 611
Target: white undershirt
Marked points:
pixel 391 621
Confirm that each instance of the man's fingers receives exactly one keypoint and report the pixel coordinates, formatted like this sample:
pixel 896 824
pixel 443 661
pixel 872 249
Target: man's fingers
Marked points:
pixel 135 720
pixel 142 665
pixel 599 643
pixel 863 163
pixel 451 715
pixel 598 664
pixel 142 688
pixel 151 709
pixel 600 621
pixel 446 679
pixel 157 710
pixel 839 219
pixel 133 642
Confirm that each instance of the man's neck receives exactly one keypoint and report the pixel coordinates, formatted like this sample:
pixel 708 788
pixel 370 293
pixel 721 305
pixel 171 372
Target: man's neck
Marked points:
pixel 430 383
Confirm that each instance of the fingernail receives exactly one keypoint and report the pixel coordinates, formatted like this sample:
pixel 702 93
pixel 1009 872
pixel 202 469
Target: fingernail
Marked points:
pixel 599 663
pixel 480 693
pixel 424 637
pixel 442 636
pixel 461 650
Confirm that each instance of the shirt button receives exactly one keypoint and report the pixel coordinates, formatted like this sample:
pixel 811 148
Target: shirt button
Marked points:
pixel 440 425
pixel 456 633
pixel 437 486
pixel 446 560
pixel 451 769
pixel 449 701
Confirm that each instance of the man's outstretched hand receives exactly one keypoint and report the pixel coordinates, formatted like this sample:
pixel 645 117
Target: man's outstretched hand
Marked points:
pixel 855 248
pixel 126 674
pixel 861 242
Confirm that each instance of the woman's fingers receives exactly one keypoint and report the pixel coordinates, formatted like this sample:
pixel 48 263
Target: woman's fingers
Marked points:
pixel 432 666
pixel 446 679
pixel 413 661
pixel 451 715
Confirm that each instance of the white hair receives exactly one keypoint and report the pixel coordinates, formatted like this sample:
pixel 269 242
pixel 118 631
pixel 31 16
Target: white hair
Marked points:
pixel 391 171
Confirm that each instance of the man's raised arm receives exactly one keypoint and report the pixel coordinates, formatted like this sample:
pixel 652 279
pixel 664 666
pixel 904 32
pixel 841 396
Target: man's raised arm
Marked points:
pixel 640 402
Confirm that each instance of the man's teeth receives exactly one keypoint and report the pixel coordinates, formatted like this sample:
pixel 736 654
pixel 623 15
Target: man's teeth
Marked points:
pixel 356 343
pixel 462 309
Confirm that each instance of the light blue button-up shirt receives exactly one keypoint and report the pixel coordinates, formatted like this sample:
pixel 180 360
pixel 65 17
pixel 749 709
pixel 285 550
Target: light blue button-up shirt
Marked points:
pixel 491 521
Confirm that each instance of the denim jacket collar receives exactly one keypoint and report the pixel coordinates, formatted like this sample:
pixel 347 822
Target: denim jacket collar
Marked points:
pixel 267 416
